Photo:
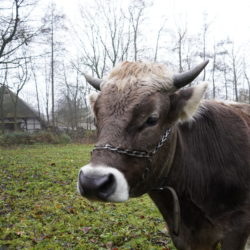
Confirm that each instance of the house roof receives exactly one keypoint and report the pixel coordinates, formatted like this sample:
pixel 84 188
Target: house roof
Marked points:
pixel 23 110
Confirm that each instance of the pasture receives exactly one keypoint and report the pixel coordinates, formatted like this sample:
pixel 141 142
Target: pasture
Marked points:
pixel 40 208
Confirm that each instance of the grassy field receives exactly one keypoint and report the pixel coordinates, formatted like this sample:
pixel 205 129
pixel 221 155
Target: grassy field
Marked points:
pixel 40 209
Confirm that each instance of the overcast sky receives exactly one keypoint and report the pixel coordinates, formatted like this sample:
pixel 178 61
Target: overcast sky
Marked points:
pixel 228 18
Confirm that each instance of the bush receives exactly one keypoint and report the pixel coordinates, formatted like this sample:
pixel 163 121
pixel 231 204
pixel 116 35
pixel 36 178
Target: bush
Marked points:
pixel 64 139
pixel 89 137
pixel 17 138
pixel 45 137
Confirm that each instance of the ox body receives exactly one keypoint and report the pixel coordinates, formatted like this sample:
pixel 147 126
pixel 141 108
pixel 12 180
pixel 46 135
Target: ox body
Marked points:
pixel 191 156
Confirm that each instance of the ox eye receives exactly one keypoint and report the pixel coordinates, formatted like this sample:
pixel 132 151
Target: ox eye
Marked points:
pixel 152 120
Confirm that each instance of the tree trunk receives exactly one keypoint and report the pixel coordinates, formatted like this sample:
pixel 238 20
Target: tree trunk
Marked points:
pixel 52 72
pixel 1 107
pixel 36 86
pixel 235 81
pixel 213 73
pixel 248 83
pixel 15 112
pixel 225 81
pixel 180 55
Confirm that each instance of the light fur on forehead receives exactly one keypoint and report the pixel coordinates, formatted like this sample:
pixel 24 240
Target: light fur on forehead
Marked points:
pixel 191 108
pixel 152 75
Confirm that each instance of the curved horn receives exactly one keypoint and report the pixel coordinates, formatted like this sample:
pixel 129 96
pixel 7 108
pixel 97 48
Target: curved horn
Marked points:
pixel 182 79
pixel 95 82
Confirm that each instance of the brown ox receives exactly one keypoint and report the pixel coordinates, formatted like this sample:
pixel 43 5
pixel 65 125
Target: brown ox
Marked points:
pixel 192 157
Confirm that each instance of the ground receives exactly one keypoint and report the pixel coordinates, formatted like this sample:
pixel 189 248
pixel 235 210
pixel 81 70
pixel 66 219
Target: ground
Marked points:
pixel 40 208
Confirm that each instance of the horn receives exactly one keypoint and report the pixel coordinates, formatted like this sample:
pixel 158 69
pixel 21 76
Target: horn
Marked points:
pixel 95 82
pixel 182 79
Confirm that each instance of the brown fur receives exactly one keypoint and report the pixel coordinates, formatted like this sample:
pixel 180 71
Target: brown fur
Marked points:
pixel 211 173
pixel 210 170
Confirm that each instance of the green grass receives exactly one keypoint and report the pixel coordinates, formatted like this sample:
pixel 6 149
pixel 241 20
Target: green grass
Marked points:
pixel 40 208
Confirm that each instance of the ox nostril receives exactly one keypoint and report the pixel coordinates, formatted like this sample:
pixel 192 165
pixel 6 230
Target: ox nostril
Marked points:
pixel 81 183
pixel 97 186
pixel 108 186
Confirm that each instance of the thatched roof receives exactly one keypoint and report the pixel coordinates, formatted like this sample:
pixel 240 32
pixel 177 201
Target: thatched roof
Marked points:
pixel 23 110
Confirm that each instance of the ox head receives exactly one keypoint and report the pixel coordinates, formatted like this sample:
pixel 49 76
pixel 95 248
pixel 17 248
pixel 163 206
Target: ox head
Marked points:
pixel 137 103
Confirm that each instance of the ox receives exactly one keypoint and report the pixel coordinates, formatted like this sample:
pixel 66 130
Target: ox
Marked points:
pixel 190 155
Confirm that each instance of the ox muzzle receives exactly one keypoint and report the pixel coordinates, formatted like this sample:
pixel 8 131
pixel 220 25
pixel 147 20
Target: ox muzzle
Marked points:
pixel 106 183
pixel 103 183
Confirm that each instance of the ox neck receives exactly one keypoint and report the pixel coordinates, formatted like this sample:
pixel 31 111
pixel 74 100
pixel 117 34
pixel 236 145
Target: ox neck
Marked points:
pixel 165 161
pixel 162 189
pixel 158 165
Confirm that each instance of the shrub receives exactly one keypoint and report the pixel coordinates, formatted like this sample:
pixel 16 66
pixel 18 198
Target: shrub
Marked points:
pixel 45 137
pixel 89 136
pixel 16 138
pixel 64 139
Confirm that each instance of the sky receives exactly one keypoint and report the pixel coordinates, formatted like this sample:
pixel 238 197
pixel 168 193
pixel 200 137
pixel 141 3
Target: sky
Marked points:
pixel 227 18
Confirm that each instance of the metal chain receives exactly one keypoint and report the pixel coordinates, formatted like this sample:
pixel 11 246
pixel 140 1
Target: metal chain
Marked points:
pixel 136 153
pixel 147 170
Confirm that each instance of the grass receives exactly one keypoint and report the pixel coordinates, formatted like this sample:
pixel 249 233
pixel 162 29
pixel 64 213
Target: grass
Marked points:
pixel 40 209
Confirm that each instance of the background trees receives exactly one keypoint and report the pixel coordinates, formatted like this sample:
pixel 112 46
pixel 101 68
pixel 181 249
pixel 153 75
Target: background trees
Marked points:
pixel 43 55
pixel 17 31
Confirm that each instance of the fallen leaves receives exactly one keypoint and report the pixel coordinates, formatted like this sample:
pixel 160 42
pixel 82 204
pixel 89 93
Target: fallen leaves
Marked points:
pixel 20 233
pixel 86 229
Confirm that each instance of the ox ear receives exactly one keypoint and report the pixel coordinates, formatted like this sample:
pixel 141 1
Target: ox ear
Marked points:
pixel 185 103
pixel 92 99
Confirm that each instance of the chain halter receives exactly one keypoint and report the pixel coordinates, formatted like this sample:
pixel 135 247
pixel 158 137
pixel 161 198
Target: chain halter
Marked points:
pixel 136 153
pixel 148 155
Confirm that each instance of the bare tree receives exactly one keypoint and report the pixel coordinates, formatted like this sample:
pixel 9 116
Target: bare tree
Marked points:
pixel 181 36
pixel 71 111
pixel 185 46
pixel 111 38
pixel 34 73
pixel 96 57
pixel 230 63
pixel 190 54
pixel 93 54
pixel 47 91
pixel 248 82
pixel 236 68
pixel 21 77
pixel 104 41
pixel 52 22
pixel 15 32
pixel 136 12
pixel 3 85
pixel 221 67
pixel 115 22
pixel 159 33
pixel 225 81
pixel 72 97
pixel 18 30
pixel 204 47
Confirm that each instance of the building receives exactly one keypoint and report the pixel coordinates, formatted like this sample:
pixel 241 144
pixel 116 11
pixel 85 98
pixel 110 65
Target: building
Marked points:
pixel 15 114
